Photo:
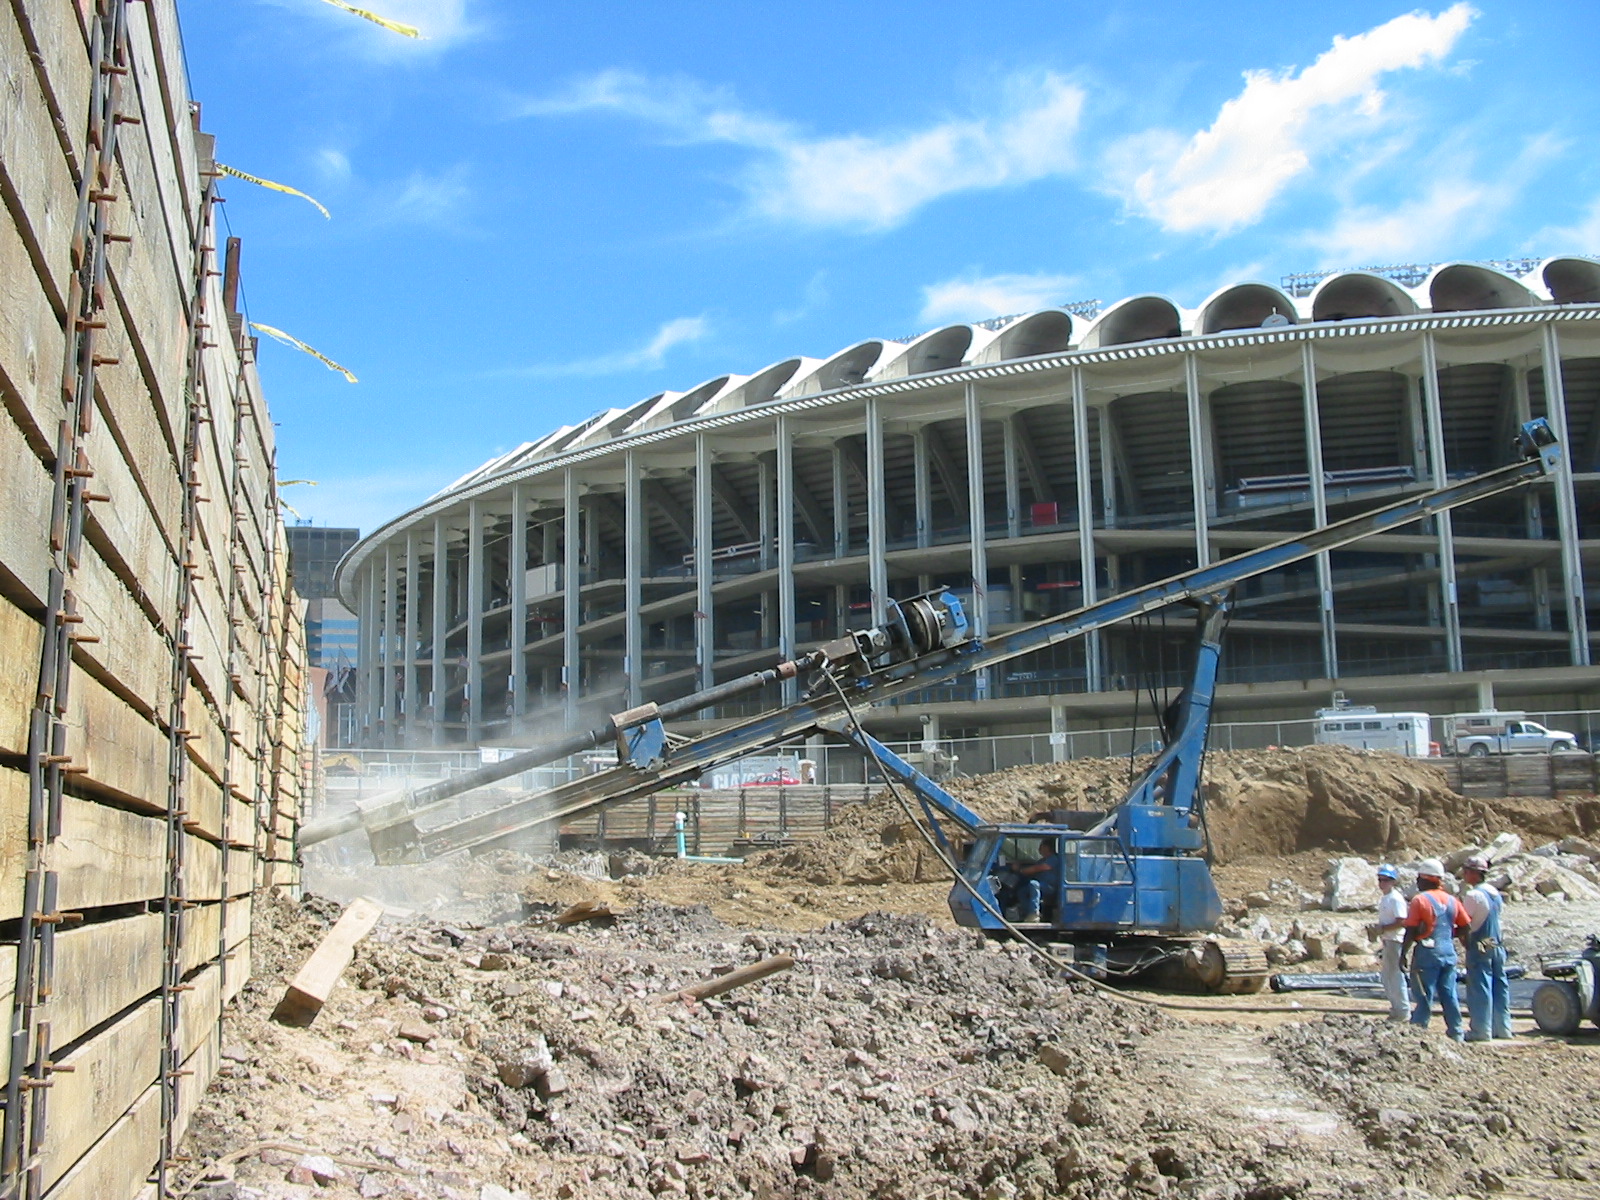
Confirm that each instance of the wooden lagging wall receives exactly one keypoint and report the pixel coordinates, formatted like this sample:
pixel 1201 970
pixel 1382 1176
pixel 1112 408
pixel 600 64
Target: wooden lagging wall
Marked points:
pixel 151 650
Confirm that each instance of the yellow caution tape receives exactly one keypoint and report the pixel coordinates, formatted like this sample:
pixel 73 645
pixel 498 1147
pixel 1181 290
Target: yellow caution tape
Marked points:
pixel 410 31
pixel 277 187
pixel 291 340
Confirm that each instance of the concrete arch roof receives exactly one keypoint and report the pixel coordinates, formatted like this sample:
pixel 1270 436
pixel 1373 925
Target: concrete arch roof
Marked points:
pixel 847 368
pixel 1472 287
pixel 1571 280
pixel 1049 331
pixel 937 350
pixel 760 388
pixel 1251 305
pixel 1136 319
pixel 1350 295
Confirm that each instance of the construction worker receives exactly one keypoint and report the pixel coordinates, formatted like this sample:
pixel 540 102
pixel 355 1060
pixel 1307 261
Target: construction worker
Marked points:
pixel 1392 935
pixel 1434 920
pixel 1033 879
pixel 1488 992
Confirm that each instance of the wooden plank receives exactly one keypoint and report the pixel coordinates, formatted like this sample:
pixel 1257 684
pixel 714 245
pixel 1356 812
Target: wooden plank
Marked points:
pixel 54 31
pixel 200 1009
pixel 21 635
pixel 32 167
pixel 107 1075
pixel 121 1160
pixel 93 836
pixel 101 970
pixel 119 749
pixel 202 1067
pixel 314 982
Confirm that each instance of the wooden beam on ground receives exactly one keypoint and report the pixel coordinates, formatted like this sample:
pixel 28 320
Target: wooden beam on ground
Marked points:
pixel 311 987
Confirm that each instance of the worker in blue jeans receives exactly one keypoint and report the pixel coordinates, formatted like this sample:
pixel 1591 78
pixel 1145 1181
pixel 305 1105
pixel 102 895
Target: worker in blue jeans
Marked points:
pixel 1488 990
pixel 1433 922
pixel 1033 880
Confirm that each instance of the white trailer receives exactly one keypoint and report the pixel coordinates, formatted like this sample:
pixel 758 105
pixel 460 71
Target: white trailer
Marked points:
pixel 1365 728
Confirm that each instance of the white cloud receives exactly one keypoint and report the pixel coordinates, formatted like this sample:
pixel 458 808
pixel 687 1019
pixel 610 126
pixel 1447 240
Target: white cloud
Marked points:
pixel 1224 177
pixel 974 298
pixel 679 331
pixel 815 297
pixel 1454 208
pixel 1429 223
pixel 430 198
pixel 865 181
pixel 334 164
pixel 1581 237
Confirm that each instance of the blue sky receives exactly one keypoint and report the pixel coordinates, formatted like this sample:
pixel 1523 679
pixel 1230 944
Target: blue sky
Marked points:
pixel 545 210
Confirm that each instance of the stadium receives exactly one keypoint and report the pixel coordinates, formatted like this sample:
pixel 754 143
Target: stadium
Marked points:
pixel 1034 464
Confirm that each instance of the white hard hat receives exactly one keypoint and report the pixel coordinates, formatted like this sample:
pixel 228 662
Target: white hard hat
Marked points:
pixel 1431 867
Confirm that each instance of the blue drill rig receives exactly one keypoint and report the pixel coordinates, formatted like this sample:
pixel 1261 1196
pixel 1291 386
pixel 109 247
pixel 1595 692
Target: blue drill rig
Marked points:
pixel 1129 888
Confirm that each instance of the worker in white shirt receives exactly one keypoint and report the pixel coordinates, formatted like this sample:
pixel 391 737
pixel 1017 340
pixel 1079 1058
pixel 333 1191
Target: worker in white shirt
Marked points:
pixel 1392 932
pixel 1488 992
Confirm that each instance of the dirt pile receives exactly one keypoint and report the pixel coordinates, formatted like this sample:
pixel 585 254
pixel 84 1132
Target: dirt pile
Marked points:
pixel 1258 802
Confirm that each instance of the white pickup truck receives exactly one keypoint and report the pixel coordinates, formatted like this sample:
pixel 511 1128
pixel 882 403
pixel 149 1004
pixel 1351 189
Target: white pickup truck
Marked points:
pixel 1482 734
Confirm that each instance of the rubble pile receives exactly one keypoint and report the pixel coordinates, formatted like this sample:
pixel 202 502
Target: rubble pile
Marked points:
pixel 896 1060
pixel 1494 1133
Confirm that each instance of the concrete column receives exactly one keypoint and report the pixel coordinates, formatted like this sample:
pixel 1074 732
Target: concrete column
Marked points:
pixel 517 586
pixel 1088 574
pixel 784 437
pixel 923 481
pixel 438 685
pixel 1013 479
pixel 976 530
pixel 705 654
pixel 841 506
pixel 366 667
pixel 1445 530
pixel 549 540
pixel 1200 473
pixel 571 596
pixel 408 690
pixel 877 516
pixel 1486 695
pixel 1108 472
pixel 1059 750
pixel 1573 597
pixel 633 575
pixel 386 710
pixel 475 571
pixel 1533 513
pixel 1319 505
pixel 764 513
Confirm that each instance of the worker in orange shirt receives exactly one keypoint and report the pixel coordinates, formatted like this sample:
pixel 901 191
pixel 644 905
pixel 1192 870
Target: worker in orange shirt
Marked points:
pixel 1434 920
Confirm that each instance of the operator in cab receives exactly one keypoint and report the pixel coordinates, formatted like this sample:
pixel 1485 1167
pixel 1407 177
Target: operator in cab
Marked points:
pixel 1030 877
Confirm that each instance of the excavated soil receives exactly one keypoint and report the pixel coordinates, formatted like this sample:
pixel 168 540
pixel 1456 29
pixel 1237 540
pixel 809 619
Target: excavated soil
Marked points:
pixel 504 1056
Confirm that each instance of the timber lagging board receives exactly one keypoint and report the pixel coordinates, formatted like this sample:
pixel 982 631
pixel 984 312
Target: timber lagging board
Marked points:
pixel 151 709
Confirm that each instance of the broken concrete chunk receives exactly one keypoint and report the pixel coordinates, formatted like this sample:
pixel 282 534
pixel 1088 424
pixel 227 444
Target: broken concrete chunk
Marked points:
pixel 552 1083
pixel 316 1168
pixel 1349 885
pixel 1504 845
pixel 1056 1059
pixel 413 1030
pixel 527 1064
